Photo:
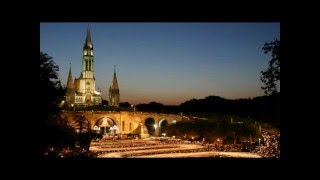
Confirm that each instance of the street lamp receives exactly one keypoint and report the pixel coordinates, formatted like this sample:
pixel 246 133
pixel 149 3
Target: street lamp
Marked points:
pixel 259 141
pixel 74 107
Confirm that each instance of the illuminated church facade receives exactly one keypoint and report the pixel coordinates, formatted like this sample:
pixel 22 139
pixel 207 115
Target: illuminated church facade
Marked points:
pixel 82 91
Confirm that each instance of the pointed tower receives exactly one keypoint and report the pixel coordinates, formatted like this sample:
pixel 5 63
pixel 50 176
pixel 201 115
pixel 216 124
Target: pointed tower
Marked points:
pixel 114 95
pixel 70 83
pixel 84 86
pixel 88 59
pixel 115 82
pixel 70 92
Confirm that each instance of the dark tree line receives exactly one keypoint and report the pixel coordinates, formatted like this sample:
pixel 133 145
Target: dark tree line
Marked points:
pixel 271 75
pixel 51 91
pixel 264 108
pixel 157 107
pixel 54 132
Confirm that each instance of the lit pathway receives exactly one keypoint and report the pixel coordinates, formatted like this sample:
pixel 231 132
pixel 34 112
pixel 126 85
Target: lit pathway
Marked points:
pixel 154 149
pixel 180 147
pixel 203 154
pixel 132 148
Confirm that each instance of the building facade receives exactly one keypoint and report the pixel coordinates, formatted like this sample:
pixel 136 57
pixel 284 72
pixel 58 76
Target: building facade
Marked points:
pixel 82 92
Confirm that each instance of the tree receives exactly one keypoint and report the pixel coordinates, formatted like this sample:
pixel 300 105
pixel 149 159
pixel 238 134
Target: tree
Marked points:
pixel 105 102
pixel 50 94
pixel 51 90
pixel 271 75
pixel 124 104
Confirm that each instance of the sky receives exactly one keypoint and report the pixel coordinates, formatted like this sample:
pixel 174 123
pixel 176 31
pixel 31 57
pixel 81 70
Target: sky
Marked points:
pixel 168 63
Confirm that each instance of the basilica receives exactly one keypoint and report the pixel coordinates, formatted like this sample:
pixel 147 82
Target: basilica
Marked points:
pixel 82 90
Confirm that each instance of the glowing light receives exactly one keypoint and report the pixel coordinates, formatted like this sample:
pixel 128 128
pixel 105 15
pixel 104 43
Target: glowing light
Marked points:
pixel 155 126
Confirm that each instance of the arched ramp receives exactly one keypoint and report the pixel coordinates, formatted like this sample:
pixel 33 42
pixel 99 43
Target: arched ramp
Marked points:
pixel 106 125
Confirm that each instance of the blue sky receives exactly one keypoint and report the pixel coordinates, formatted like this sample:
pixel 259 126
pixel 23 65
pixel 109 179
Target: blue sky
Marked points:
pixel 166 62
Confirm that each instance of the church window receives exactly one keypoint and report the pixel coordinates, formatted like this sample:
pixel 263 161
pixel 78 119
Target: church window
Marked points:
pixel 130 127
pixel 89 65
pixel 86 65
pixel 85 52
pixel 122 125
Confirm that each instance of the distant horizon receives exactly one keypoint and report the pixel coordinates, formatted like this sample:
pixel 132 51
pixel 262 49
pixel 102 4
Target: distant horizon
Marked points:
pixel 167 63
pixel 197 99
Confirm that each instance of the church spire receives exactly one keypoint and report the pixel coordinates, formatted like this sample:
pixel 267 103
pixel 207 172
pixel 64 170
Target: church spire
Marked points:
pixel 88 47
pixel 115 82
pixel 70 83
pixel 88 38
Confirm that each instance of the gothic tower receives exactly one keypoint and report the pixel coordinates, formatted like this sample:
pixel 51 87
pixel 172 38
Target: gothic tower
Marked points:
pixel 85 84
pixel 87 59
pixel 114 95
pixel 70 92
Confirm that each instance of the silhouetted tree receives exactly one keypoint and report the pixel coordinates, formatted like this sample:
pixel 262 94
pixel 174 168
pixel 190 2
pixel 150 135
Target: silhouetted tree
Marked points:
pixel 105 102
pixel 53 132
pixel 51 90
pixel 152 106
pixel 271 75
pixel 124 104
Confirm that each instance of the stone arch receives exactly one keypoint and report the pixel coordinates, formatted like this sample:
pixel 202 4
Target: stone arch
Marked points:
pixel 112 120
pixel 161 121
pixel 149 122
pixel 163 124
pixel 106 125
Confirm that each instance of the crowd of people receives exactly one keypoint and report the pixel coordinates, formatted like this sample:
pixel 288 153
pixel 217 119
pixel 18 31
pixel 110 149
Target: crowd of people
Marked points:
pixel 69 153
pixel 166 152
pixel 270 148
pixel 223 147
pixel 128 145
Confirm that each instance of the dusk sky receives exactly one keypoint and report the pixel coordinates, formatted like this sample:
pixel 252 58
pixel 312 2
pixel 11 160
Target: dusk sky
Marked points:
pixel 168 63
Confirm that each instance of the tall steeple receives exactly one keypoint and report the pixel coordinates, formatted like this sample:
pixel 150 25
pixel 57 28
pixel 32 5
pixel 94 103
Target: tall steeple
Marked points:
pixel 70 80
pixel 88 59
pixel 70 91
pixel 115 82
pixel 87 46
pixel 84 88
pixel 114 95
pixel 88 38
